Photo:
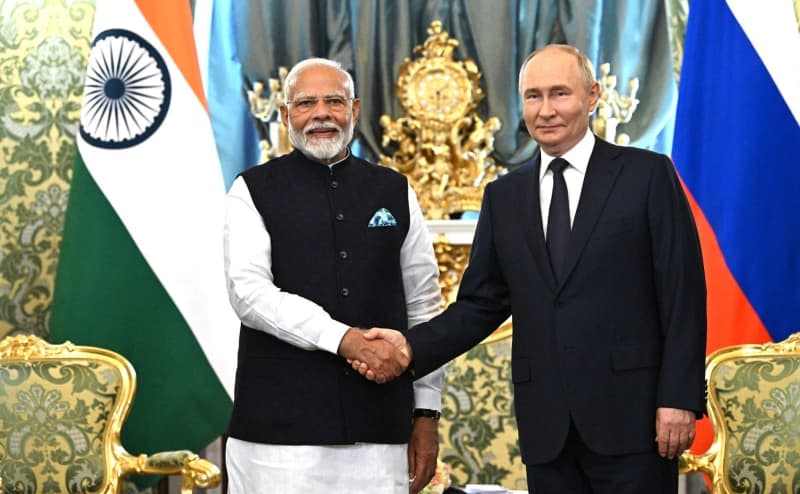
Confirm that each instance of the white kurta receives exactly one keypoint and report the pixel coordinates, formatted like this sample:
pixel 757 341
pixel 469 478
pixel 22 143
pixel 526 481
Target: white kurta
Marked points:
pixel 368 468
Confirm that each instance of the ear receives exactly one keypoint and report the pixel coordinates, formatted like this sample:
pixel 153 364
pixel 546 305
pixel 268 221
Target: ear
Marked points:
pixel 594 96
pixel 284 115
pixel 356 109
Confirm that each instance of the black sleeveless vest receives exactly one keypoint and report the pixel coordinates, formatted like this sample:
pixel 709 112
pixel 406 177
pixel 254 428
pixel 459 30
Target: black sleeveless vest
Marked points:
pixel 323 249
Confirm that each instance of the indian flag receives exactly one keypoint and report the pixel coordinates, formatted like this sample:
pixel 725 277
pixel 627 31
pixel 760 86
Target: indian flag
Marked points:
pixel 141 266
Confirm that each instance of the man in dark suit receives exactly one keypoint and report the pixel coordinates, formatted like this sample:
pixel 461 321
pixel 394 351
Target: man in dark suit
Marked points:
pixel 593 250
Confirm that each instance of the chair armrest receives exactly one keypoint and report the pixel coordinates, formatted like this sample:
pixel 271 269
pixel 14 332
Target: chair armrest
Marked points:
pixel 688 462
pixel 195 471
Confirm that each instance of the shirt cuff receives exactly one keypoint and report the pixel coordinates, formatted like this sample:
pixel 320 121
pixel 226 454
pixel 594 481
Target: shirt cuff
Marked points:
pixel 331 337
pixel 425 397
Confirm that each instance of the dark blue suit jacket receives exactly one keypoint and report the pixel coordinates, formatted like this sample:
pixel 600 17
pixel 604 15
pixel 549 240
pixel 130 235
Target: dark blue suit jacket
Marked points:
pixel 622 334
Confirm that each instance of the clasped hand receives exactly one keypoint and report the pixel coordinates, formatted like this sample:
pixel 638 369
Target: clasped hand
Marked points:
pixel 379 354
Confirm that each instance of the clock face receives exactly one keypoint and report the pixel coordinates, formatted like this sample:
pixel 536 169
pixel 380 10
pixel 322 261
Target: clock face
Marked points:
pixel 442 94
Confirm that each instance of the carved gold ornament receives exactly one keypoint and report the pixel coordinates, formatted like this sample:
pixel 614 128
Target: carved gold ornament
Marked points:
pixel 452 260
pixel 441 144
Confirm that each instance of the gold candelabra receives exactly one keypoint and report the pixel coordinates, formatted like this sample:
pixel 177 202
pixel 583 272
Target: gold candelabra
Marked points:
pixel 264 106
pixel 613 108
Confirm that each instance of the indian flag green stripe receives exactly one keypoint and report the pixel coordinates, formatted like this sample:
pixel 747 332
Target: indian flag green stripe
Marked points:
pixel 108 296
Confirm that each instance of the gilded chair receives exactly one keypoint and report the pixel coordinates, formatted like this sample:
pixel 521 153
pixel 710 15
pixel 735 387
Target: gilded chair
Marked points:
pixel 61 411
pixel 754 406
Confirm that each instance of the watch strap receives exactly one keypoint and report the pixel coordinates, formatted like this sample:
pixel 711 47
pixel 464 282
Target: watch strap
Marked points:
pixel 427 412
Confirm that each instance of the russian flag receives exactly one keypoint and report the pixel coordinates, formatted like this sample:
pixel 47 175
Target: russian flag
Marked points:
pixel 737 149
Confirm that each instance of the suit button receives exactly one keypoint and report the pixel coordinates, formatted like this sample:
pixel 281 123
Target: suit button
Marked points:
pixel 343 254
pixel 345 292
pixel 339 217
pixel 334 184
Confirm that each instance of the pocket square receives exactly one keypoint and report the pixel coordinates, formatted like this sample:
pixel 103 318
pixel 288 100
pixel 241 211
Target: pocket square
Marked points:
pixel 382 217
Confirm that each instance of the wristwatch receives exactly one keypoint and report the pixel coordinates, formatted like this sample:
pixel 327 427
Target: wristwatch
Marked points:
pixel 427 412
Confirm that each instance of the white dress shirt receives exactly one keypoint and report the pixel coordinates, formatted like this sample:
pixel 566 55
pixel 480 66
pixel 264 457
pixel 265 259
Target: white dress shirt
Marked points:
pixel 296 320
pixel 578 159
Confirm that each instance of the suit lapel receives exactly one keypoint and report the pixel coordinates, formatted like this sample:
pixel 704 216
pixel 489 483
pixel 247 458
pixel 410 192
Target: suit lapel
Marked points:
pixel 527 195
pixel 601 173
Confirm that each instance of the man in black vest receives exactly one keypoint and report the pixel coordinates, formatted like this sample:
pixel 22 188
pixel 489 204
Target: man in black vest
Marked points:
pixel 319 243
pixel 593 249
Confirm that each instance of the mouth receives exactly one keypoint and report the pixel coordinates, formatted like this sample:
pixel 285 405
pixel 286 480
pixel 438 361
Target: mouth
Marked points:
pixel 323 132
pixel 547 128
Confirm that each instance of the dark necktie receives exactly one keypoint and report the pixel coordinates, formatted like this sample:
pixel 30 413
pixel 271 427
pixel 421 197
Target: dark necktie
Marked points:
pixel 558 219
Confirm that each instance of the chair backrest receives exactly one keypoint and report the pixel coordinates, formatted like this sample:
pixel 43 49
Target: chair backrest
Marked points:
pixel 61 411
pixel 754 406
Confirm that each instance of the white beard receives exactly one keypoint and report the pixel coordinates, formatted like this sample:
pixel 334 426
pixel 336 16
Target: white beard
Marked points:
pixel 321 148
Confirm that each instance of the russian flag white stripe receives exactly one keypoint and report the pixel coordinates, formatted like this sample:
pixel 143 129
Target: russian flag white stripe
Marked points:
pixel 772 28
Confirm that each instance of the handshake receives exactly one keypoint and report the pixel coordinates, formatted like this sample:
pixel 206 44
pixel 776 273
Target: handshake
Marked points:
pixel 378 354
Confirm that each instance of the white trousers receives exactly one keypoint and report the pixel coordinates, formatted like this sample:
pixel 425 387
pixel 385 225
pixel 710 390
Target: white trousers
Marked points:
pixel 362 468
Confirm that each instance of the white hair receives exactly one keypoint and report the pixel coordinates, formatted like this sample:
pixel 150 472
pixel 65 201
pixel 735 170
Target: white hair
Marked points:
pixel 291 77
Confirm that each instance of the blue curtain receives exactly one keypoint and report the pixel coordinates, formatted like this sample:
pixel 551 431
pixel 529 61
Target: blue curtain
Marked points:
pixel 372 37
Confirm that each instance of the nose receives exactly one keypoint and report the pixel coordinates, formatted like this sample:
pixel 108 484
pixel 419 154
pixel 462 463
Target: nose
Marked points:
pixel 546 109
pixel 321 110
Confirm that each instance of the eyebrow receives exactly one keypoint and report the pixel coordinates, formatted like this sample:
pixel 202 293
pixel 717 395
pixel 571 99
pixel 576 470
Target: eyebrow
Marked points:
pixel 559 87
pixel 340 94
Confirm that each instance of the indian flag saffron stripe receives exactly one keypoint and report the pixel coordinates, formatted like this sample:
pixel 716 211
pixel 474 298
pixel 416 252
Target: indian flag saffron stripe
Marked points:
pixel 141 266
pixel 177 38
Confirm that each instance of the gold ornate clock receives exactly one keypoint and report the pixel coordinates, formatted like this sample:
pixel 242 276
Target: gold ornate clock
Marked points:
pixel 441 144
pixel 439 92
pixel 435 86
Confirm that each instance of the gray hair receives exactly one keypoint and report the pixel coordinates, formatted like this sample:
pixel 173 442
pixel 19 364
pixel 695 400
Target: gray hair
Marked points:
pixel 584 64
pixel 291 77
